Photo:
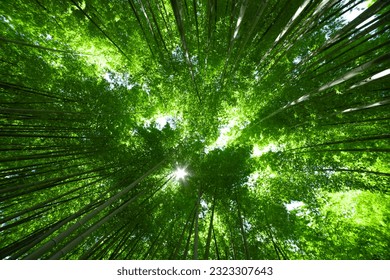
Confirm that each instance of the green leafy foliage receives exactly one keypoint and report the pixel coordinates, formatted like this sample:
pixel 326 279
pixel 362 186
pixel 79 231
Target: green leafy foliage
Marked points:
pixel 276 110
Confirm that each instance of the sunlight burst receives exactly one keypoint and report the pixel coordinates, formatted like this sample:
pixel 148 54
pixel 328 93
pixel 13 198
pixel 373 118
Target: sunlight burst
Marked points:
pixel 180 173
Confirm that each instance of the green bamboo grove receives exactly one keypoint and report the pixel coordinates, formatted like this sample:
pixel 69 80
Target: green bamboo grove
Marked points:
pixel 193 129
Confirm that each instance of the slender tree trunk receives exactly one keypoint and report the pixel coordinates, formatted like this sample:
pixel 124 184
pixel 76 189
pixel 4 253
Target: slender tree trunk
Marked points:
pixel 243 234
pixel 209 234
pixel 216 245
pixel 196 237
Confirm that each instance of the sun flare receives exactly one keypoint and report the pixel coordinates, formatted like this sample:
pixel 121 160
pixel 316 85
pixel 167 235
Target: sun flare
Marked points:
pixel 180 173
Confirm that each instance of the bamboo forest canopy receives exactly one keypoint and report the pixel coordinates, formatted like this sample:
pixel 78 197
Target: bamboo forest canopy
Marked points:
pixel 193 129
